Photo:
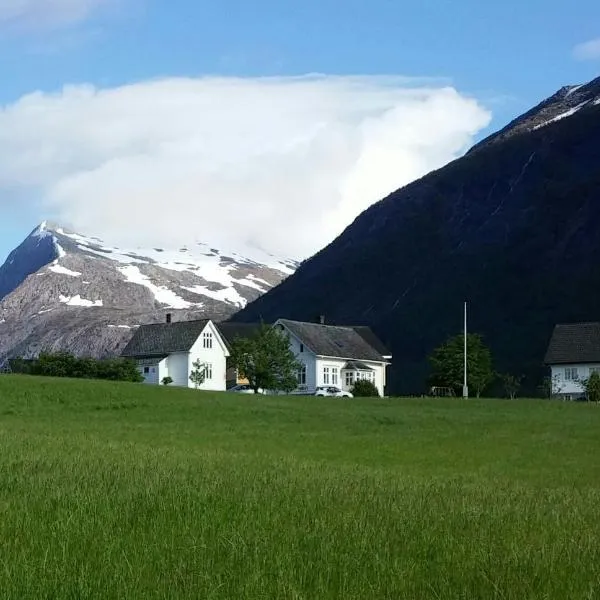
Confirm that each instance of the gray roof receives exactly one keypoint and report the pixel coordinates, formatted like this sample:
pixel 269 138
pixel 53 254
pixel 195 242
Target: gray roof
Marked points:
pixel 574 343
pixel 354 365
pixel 231 331
pixel 164 338
pixel 332 340
pixel 367 334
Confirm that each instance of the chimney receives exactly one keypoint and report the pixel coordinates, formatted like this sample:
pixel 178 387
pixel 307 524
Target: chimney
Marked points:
pixel 169 317
pixel 322 319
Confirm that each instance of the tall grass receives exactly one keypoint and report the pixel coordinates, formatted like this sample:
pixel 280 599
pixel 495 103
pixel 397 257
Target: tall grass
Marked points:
pixel 126 491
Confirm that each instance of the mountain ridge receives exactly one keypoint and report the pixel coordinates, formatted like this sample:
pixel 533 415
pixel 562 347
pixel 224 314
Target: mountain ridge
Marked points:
pixel 509 227
pixel 62 290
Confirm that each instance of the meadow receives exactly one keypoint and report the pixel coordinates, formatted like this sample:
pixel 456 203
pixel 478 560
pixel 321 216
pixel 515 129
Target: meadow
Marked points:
pixel 125 491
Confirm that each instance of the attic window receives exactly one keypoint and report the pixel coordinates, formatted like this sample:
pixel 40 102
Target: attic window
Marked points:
pixel 301 347
pixel 207 340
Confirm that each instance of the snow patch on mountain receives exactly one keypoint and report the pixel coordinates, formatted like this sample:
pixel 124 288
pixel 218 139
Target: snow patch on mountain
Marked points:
pixel 561 116
pixel 228 294
pixel 79 301
pixel 56 268
pixel 162 294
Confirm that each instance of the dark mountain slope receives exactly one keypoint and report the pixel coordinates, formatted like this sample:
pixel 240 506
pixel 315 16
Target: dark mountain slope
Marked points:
pixel 513 227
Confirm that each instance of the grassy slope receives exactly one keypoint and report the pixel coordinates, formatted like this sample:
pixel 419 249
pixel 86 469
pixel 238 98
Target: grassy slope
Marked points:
pixel 123 491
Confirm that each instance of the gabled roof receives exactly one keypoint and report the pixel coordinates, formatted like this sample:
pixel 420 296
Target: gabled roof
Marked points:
pixel 164 338
pixel 574 343
pixel 231 331
pixel 333 341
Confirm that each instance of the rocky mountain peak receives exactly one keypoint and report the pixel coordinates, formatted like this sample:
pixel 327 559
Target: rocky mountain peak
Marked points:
pixel 565 103
pixel 70 291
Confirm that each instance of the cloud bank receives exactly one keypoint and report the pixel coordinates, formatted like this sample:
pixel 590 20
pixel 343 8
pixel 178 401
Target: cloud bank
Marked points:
pixel 588 50
pixel 280 163
pixel 47 13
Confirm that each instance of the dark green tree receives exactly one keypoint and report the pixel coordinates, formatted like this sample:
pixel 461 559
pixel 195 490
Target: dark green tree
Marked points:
pixel 167 380
pixel 592 387
pixel 266 360
pixel 364 388
pixel 448 365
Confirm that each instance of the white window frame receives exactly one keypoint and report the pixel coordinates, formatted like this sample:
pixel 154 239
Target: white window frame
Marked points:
pixel 208 371
pixel 571 374
pixel 335 376
pixel 349 378
pixel 207 340
pixel 326 375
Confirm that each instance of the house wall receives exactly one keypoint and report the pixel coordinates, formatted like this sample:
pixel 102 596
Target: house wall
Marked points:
pixel 216 356
pixel 307 357
pixel 156 371
pixel 563 386
pixel 177 368
pixel 378 368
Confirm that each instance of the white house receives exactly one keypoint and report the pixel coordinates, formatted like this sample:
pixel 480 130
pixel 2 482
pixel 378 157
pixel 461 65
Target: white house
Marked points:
pixel 171 349
pixel 573 355
pixel 336 355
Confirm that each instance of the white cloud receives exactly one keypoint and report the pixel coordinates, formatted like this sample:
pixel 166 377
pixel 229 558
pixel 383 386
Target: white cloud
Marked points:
pixel 284 163
pixel 47 13
pixel 588 50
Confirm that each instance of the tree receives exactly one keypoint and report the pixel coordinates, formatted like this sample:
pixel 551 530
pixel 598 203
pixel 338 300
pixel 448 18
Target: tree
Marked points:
pixel 592 387
pixel 198 374
pixel 363 388
pixel 448 364
pixel 266 361
pixel 167 380
pixel 511 384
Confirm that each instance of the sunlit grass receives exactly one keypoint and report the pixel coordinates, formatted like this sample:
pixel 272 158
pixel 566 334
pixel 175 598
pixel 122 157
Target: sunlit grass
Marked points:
pixel 126 491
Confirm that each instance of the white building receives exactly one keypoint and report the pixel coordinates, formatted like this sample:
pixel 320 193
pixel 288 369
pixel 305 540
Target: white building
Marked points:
pixel 573 355
pixel 336 355
pixel 171 349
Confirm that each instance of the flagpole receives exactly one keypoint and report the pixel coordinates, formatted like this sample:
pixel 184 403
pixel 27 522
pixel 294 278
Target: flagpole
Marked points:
pixel 465 386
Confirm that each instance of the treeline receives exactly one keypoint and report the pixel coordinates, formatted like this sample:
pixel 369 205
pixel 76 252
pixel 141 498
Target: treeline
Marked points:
pixel 64 364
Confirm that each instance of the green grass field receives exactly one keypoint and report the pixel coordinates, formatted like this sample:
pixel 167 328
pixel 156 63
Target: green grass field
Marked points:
pixel 125 491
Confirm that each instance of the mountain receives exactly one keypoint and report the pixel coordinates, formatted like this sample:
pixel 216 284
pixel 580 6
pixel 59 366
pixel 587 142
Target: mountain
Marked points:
pixel 512 227
pixel 62 290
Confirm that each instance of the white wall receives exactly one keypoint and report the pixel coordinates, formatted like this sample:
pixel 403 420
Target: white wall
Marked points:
pixel 216 356
pixel 177 366
pixel 378 368
pixel 562 385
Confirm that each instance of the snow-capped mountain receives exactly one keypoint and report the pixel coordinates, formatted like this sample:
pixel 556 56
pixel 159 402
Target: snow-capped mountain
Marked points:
pixel 63 290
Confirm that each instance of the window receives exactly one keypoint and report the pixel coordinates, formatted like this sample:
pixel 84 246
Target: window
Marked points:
pixel 207 340
pixel 146 370
pixel 301 347
pixel 594 370
pixel 302 375
pixel 349 378
pixel 334 375
pixel 208 371
pixel 571 374
pixel 326 372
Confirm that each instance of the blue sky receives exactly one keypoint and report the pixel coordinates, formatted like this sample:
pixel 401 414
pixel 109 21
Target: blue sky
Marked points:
pixel 508 55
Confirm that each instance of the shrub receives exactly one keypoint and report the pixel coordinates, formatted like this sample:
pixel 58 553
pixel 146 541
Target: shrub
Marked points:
pixel 64 364
pixel 365 389
pixel 167 380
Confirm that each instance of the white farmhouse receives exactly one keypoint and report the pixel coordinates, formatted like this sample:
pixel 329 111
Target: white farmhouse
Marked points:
pixel 336 355
pixel 573 355
pixel 171 349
